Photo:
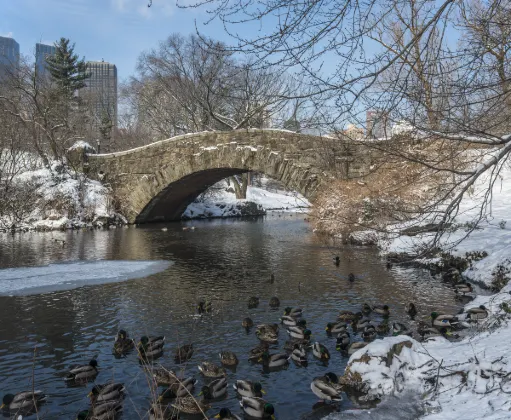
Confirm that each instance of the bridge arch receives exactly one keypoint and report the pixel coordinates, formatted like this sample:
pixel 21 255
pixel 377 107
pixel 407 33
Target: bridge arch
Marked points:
pixel 156 183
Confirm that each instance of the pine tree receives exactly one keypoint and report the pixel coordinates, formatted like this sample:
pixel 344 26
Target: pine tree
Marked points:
pixel 66 69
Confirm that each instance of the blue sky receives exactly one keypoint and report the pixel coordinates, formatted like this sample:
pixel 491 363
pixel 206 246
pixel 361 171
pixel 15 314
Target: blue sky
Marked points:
pixel 114 30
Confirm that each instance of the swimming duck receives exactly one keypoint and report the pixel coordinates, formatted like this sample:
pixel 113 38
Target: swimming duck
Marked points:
pixel 106 392
pixel 335 328
pixel 274 360
pixel 299 333
pixel 463 288
pixel 210 370
pixel 337 260
pixel 183 353
pixel 178 389
pixel 225 414
pixel 123 343
pixel 347 316
pixel 83 373
pixel 162 412
pixel 327 387
pixel 382 310
pixel 343 341
pixel 257 408
pixel 255 353
pixel 369 333
pixel 248 388
pixel 351 277
pixel 355 347
pixel 294 312
pixel 366 309
pixel 290 321
pixel 400 329
pixel 477 313
pixel 216 389
pixel 189 405
pixel 203 307
pixel 164 376
pixel 267 336
pixel 247 323
pixel 299 355
pixel 446 321
pixel 383 327
pixel 151 347
pixel 411 310
pixel 320 351
pixel 253 302
pixel 101 411
pixel 274 302
pixel 361 324
pixel 273 328
pixel 26 401
pixel 228 358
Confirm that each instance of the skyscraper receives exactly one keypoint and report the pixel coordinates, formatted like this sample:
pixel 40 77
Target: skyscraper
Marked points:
pixel 101 90
pixel 41 52
pixel 9 55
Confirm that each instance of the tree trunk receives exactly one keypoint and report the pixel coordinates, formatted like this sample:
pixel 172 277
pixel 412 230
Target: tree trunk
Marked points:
pixel 240 186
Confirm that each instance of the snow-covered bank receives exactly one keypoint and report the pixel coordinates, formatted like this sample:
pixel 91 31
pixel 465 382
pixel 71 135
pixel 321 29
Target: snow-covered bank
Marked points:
pixel 220 201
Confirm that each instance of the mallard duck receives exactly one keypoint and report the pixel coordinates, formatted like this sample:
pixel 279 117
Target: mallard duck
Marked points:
pixel 463 288
pixel 228 358
pixel 178 389
pixel 294 312
pixel 290 321
pixel 247 323
pixel 337 260
pixel 327 387
pixel 355 347
pixel 320 351
pixel 151 347
pixel 164 376
pixel 351 277
pixel 274 360
pixel 183 353
pixel 189 405
pixel 383 327
pixel 335 328
pixel 273 328
pixel 253 302
pixel 343 341
pixel 274 302
pixel 26 401
pixel 225 414
pixel 267 336
pixel 106 392
pixel 400 329
pixel 162 412
pixel 411 310
pixel 123 343
pixel 446 321
pixel 216 389
pixel 83 373
pixel 382 310
pixel 203 307
pixel 347 316
pixel 298 354
pixel 255 353
pixel 248 388
pixel 210 370
pixel 361 324
pixel 299 333
pixel 477 313
pixel 369 333
pixel 366 309
pixel 257 408
pixel 102 411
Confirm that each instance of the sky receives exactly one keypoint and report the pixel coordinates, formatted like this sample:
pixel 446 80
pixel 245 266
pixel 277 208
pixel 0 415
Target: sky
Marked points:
pixel 116 31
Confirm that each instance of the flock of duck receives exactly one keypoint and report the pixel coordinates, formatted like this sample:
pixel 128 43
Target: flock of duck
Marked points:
pixel 177 397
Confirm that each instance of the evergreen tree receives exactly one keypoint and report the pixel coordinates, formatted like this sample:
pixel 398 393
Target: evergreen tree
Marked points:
pixel 66 69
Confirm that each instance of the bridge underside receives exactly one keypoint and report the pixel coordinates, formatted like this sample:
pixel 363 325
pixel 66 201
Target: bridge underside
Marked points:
pixel 172 201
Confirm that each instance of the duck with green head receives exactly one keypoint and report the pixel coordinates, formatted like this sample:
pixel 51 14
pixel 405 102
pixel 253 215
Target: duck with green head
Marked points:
pixel 475 314
pixel 298 354
pixel 336 328
pixel 215 390
pixel 320 352
pixel 83 373
pixel 327 387
pixel 299 333
pixel 446 321
pixel 150 347
pixel 26 401
pixel 343 341
pixel 101 411
pixel 225 414
pixel 257 408
pixel 382 310
pixel 294 312
pixel 248 388
pixel 106 392
pixel 255 353
pixel 274 360
pixel 178 389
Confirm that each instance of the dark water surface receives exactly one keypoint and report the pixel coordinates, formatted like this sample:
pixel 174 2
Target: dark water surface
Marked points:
pixel 225 261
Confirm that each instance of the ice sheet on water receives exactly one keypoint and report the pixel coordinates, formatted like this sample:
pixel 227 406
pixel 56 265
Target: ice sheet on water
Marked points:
pixel 64 276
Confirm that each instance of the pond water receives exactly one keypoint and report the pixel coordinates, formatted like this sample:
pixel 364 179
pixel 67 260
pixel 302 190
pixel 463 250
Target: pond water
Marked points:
pixel 225 261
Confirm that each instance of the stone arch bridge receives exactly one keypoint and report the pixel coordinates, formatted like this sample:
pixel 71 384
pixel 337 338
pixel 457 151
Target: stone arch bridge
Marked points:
pixel 155 183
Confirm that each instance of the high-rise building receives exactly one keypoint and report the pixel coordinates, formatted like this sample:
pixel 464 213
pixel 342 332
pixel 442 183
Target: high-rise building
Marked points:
pixel 41 52
pixel 101 91
pixel 9 55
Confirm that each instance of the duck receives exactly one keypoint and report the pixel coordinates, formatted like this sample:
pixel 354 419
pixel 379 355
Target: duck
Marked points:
pixel 257 408
pixel 351 277
pixel 183 353
pixel 446 321
pixel 298 354
pixel 273 328
pixel 267 336
pixel 366 309
pixel 228 358
pixel 101 411
pixel 337 260
pixel 164 376
pixel 369 333
pixel 203 307
pixel 106 392
pixel 361 324
pixel 381 310
pixel 151 347
pixel 294 312
pixel 320 351
pixel 343 341
pixel 411 310
pixel 335 328
pixel 247 323
pixel 274 302
pixel 355 347
pixel 253 302
pixel 248 388
pixel 83 373
pixel 26 401
pixel 463 288
pixel 383 327
pixel 347 316
pixel 178 389
pixel 255 353
pixel 189 405
pixel 210 370
pixel 290 321
pixel 274 360
pixel 474 314
pixel 327 387
pixel 216 389
pixel 400 329
pixel 225 414
pixel 123 343
pixel 161 412
pixel 299 333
